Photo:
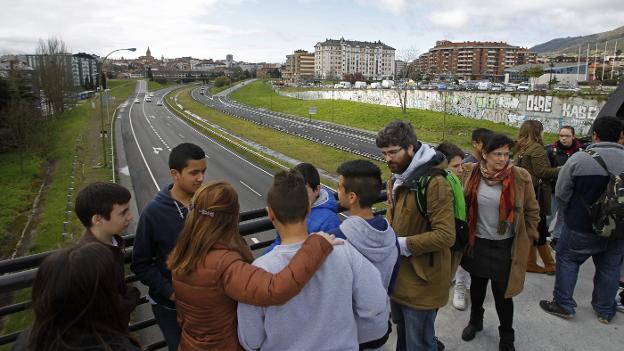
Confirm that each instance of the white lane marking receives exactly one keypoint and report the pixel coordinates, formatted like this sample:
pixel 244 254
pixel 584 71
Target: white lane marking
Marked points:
pixel 140 151
pixel 255 241
pixel 157 149
pixel 248 187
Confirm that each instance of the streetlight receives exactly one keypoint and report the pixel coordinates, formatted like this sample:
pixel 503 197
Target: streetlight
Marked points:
pixel 101 86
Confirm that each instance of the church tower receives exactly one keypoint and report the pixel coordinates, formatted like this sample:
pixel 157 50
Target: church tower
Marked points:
pixel 148 53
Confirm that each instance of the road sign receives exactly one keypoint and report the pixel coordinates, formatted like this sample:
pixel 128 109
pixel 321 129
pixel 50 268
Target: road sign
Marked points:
pixel 312 110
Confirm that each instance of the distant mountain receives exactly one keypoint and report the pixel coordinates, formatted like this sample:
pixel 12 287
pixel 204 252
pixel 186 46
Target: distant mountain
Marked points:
pixel 570 45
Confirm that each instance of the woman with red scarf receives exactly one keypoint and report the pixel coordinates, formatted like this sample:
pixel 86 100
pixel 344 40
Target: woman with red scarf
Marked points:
pixel 502 219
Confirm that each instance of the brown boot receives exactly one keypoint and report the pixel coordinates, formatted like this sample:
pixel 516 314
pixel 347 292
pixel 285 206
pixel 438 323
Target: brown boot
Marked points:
pixel 546 255
pixel 532 266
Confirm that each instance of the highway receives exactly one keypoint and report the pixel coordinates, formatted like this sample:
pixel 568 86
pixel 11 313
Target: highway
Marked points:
pixel 340 137
pixel 149 132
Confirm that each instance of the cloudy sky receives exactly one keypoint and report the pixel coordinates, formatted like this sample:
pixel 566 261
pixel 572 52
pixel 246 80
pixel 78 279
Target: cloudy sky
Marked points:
pixel 267 30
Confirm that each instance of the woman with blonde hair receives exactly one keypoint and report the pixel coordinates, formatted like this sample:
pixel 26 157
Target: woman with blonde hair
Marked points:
pixel 530 154
pixel 211 270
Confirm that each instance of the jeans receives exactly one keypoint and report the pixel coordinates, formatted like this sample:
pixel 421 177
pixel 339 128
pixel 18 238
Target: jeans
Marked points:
pixel 574 248
pixel 166 318
pixel 415 328
pixel 555 220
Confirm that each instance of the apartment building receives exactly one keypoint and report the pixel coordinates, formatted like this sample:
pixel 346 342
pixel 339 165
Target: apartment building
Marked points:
pixel 299 67
pixel 472 60
pixel 335 58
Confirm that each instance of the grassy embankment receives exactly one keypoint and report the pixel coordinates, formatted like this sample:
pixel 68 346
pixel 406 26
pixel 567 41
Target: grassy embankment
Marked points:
pixel 153 85
pixel 76 132
pixel 428 124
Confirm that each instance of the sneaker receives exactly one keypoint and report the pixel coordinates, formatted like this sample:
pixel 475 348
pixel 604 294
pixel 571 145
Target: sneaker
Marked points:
pixel 618 304
pixel 553 308
pixel 603 320
pixel 459 298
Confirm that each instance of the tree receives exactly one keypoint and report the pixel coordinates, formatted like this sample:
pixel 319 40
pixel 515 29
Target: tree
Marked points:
pixel 150 75
pixel 532 72
pixel 54 70
pixel 221 81
pixel 409 56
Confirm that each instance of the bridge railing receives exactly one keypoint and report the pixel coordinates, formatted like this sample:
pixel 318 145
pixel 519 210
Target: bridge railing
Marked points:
pixel 19 273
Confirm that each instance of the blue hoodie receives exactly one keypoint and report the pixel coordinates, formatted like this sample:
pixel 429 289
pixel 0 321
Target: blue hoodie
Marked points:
pixel 322 216
pixel 157 233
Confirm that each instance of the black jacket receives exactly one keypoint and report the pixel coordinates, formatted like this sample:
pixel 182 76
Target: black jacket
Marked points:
pixel 157 233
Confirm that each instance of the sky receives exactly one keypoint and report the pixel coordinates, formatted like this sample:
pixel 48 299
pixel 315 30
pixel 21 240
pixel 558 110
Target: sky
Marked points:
pixel 268 30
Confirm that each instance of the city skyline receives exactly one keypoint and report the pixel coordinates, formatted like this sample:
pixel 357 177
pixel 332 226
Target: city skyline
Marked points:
pixel 256 31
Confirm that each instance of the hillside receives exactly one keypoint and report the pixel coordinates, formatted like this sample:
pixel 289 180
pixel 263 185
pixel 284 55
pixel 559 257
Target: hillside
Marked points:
pixel 570 45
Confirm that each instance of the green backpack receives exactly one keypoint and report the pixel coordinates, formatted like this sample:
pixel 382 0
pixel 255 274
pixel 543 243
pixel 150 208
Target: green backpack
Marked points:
pixel 459 203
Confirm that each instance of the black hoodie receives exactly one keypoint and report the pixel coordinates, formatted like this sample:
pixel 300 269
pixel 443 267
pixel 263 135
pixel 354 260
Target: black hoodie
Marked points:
pixel 157 233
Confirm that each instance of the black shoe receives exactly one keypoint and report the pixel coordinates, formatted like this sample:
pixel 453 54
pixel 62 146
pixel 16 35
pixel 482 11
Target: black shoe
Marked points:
pixel 471 330
pixel 507 338
pixel 553 308
pixel 440 344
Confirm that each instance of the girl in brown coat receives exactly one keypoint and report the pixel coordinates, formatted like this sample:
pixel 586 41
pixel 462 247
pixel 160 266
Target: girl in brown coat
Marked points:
pixel 502 221
pixel 530 154
pixel 211 271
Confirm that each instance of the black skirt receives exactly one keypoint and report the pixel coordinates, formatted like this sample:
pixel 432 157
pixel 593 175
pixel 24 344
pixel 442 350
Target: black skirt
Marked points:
pixel 489 259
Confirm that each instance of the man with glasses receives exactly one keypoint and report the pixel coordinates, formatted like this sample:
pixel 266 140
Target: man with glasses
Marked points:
pixel 558 153
pixel 422 283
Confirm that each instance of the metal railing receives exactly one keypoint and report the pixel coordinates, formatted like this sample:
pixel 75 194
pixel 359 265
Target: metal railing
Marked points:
pixel 19 273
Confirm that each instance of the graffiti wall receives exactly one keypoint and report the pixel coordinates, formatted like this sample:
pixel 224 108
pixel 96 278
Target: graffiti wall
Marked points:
pixel 508 108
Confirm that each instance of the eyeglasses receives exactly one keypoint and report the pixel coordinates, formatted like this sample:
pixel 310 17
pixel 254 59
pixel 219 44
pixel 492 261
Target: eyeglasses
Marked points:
pixel 391 152
pixel 565 135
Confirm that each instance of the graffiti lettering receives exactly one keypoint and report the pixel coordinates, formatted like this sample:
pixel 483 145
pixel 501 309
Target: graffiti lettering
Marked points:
pixel 537 103
pixel 579 111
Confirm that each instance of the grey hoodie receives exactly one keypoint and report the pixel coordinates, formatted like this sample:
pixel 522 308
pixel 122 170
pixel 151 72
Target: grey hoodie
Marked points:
pixel 378 246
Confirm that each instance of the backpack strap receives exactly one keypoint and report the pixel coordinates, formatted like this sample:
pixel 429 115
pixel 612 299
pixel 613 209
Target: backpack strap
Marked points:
pixel 597 158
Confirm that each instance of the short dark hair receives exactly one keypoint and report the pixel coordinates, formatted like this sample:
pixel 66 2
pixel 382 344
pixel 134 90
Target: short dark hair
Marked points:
pixel 288 197
pixel 450 151
pixel 608 128
pixel 98 199
pixel 310 174
pixel 397 133
pixel 481 135
pixel 363 178
pixel 570 128
pixel 181 154
pixel 498 141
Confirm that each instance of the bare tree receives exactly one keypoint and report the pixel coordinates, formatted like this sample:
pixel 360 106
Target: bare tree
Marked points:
pixel 54 67
pixel 408 72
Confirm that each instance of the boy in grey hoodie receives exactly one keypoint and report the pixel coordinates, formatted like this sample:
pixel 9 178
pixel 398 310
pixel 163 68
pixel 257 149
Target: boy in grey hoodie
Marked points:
pixel 344 304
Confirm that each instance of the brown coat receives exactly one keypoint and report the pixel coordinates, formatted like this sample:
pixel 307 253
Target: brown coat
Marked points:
pixel 206 299
pixel 424 277
pixel 526 217
pixel 535 160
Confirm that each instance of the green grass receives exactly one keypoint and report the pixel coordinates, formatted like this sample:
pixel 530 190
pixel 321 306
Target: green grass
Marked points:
pixel 326 158
pixel 153 85
pixel 372 117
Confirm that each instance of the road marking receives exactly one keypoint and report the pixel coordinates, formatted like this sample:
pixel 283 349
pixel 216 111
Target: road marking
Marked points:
pixel 157 149
pixel 248 187
pixel 140 151
pixel 255 241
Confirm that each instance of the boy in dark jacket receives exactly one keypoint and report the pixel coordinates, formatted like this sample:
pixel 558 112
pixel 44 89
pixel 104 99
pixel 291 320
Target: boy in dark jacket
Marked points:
pixel 160 224
pixel 103 208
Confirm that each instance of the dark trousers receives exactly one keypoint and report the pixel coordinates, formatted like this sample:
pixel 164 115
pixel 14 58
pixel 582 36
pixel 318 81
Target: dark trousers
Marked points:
pixel 504 307
pixel 542 229
pixel 166 318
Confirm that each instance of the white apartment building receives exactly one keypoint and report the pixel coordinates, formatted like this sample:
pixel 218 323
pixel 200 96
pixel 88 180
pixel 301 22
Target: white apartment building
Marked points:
pixel 336 58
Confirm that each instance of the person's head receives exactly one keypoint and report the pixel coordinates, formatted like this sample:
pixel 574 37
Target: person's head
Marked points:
pixel 287 199
pixel 607 128
pixel 213 218
pixel 480 138
pixel 398 144
pixel 530 133
pixel 454 155
pixel 75 293
pixel 104 207
pixel 187 164
pixel 496 152
pixel 566 136
pixel 359 184
pixel 312 180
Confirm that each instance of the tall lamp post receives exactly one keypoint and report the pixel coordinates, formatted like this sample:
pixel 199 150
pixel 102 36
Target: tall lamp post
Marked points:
pixel 101 86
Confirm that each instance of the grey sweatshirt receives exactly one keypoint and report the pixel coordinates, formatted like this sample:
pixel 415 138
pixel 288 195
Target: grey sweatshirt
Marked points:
pixel 345 299
pixel 378 246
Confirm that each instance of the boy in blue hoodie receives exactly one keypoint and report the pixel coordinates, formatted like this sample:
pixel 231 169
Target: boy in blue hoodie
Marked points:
pixel 159 225
pixel 323 214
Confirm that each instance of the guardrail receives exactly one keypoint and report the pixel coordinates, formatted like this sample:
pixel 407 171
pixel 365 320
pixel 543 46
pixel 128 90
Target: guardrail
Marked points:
pixel 19 273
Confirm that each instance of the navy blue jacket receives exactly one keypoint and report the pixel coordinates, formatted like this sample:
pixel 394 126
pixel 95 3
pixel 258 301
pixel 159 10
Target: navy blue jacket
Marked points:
pixel 157 233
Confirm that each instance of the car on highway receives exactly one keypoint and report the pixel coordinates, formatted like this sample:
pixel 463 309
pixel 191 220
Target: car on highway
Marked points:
pixel 510 87
pixel 497 87
pixel 484 85
pixel 159 103
pixel 524 86
pixel 148 99
pixel 137 101
pixel 567 88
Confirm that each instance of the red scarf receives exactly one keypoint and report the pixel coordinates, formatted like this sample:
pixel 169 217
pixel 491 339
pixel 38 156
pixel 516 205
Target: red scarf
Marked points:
pixel 507 199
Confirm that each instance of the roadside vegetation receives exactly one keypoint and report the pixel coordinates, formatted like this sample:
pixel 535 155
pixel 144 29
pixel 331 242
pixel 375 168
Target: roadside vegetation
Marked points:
pixel 429 125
